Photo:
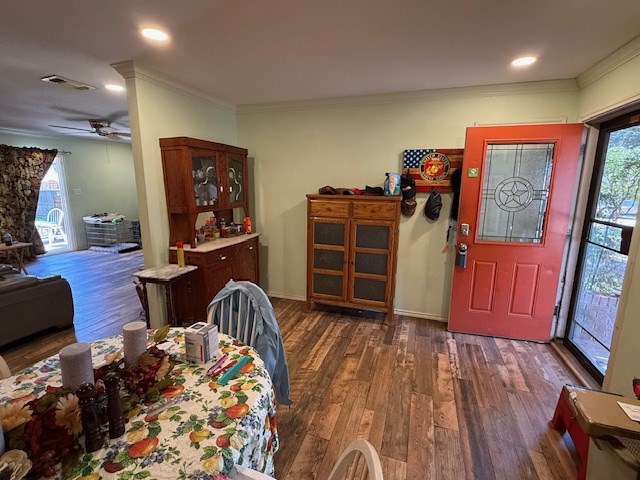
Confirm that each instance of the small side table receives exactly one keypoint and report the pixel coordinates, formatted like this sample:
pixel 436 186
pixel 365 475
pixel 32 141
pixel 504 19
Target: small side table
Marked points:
pixel 590 415
pixel 17 249
pixel 165 275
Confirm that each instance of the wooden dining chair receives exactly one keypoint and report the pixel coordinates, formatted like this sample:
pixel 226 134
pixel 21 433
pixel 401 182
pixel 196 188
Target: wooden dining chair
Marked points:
pixel 359 460
pixel 4 369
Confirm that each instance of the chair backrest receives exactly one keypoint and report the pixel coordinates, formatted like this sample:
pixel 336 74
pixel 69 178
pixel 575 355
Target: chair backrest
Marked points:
pixel 55 215
pixel 4 369
pixel 359 460
pixel 235 316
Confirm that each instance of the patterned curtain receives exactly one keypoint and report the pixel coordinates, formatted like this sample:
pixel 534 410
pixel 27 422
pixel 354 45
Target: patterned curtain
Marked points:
pixel 21 173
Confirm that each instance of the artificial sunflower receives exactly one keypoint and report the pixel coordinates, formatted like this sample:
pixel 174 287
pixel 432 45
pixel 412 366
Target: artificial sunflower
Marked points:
pixel 68 414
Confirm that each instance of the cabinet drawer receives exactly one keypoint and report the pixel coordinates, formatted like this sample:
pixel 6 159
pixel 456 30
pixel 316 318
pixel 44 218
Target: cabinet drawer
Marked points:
pixel 221 256
pixel 250 245
pixel 328 209
pixel 375 210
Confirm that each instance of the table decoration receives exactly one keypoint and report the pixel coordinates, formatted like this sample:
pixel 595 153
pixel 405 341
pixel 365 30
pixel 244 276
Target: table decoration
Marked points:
pixel 76 366
pixel 14 465
pixel 46 428
pixel 196 429
pixel 134 335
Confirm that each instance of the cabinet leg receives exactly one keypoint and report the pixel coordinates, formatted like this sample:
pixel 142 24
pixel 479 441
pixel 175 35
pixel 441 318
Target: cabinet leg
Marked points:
pixel 141 288
pixel 169 302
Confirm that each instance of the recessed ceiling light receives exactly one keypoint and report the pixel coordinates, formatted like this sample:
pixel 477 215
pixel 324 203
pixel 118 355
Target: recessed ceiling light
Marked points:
pixel 154 34
pixel 523 61
pixel 113 87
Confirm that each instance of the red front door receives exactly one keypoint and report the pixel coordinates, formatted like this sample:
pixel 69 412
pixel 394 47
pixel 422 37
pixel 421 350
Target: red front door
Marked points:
pixel 516 196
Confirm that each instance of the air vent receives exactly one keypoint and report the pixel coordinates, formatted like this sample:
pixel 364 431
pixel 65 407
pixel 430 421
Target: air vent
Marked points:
pixel 67 82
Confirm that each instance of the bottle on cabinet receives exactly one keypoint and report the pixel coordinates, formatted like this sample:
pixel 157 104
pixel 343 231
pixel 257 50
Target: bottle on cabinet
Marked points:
pixel 180 253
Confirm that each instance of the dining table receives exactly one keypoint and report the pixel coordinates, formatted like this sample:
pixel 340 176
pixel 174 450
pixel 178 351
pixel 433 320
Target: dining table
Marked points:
pixel 204 430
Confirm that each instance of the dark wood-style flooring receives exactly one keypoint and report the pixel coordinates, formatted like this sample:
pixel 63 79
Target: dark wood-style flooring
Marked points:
pixel 435 405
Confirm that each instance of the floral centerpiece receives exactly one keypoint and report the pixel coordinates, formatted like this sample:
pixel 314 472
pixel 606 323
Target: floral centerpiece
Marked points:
pixel 48 427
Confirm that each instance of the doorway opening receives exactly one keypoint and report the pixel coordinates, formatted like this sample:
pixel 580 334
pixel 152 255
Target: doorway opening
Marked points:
pixel 53 218
pixel 610 218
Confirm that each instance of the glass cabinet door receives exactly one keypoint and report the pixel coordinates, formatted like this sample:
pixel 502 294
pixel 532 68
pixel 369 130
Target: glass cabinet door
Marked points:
pixel 329 258
pixel 236 180
pixel 370 267
pixel 206 187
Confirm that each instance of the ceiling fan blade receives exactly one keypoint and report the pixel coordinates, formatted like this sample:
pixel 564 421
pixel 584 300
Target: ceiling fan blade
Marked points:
pixel 73 128
pixel 121 134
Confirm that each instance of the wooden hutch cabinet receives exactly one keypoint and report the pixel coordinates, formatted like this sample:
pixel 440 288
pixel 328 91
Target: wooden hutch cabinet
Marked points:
pixel 352 245
pixel 200 177
pixel 206 177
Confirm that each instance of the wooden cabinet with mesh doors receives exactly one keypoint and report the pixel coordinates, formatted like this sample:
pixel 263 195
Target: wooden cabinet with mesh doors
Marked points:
pixel 352 250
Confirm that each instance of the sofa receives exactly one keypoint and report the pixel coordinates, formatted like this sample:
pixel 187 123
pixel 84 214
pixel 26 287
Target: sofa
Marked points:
pixel 31 304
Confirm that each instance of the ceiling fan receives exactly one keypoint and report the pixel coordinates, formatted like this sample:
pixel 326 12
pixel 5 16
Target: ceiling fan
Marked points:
pixel 99 127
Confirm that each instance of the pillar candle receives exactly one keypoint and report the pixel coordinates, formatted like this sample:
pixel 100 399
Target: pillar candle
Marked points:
pixel 76 366
pixel 135 342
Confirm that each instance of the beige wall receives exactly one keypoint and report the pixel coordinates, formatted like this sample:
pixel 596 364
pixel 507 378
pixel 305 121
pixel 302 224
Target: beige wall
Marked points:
pixel 352 142
pixel 101 169
pixel 301 147
pixel 157 110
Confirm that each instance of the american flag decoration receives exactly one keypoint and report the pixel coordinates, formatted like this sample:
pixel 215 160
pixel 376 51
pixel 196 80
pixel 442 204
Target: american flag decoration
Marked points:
pixel 432 168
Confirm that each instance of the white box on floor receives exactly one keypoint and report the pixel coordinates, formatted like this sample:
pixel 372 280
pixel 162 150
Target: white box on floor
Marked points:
pixel 201 342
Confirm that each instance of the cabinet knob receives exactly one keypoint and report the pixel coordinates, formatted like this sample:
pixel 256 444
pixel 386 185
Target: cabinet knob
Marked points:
pixel 251 248
pixel 223 257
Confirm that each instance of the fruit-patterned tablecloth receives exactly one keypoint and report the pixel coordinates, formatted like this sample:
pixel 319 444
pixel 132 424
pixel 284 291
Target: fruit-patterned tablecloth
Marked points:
pixel 203 435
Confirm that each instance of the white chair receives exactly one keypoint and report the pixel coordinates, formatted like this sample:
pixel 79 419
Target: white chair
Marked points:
pixel 4 369
pixel 349 464
pixel 54 225
pixel 235 316
pixel 243 311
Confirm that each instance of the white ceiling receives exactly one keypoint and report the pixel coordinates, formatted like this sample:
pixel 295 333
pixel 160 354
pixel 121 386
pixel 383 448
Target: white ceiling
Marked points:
pixel 255 51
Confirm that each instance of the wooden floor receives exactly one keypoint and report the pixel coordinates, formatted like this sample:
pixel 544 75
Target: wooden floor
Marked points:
pixel 435 405
pixel 104 299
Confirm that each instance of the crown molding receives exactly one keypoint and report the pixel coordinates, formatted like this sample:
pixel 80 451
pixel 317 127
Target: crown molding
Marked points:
pixel 563 85
pixel 129 69
pixel 606 112
pixel 618 58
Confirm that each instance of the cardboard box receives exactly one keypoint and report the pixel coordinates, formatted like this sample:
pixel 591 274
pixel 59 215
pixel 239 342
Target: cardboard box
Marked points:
pixel 201 342
pixel 599 414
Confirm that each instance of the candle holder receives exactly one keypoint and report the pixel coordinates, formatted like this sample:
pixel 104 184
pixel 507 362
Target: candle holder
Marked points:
pixel 76 365
pixel 135 342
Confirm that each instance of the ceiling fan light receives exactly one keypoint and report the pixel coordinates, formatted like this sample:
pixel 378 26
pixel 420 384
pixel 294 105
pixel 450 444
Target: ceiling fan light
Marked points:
pixel 154 34
pixel 112 87
pixel 523 61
